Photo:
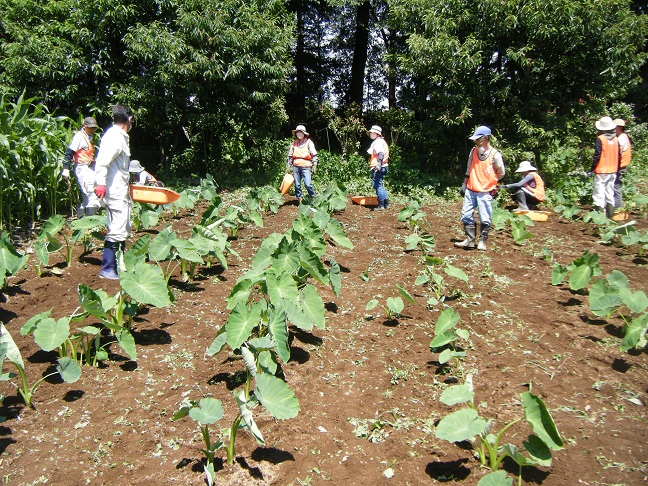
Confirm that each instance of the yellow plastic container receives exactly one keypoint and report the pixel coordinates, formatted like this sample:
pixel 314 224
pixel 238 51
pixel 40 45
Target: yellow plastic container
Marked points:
pixel 535 215
pixel 286 184
pixel 153 195
pixel 621 216
pixel 365 200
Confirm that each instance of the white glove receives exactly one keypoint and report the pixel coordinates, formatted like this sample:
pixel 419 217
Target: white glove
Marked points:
pixel 65 173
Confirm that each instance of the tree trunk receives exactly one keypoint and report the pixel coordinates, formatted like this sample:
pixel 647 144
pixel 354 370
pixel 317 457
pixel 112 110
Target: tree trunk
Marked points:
pixel 356 87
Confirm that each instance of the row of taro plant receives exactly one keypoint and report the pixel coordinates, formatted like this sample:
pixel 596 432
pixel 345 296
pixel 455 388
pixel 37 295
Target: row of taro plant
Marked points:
pixel 608 296
pixel 275 292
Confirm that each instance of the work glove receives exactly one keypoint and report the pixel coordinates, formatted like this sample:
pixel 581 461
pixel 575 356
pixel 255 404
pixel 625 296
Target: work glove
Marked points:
pixel 65 173
pixel 314 169
pixel 100 191
pixel 462 190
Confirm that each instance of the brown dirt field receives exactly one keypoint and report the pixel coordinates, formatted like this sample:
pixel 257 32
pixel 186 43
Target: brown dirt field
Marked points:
pixel 114 426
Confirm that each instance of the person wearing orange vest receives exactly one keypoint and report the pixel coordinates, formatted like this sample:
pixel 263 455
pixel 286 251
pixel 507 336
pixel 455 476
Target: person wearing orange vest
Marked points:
pixel 605 165
pixel 626 154
pixel 302 158
pixel 485 169
pixel 80 154
pixel 378 164
pixel 529 191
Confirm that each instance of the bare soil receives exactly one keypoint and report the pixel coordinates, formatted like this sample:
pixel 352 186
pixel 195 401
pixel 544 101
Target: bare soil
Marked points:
pixel 114 426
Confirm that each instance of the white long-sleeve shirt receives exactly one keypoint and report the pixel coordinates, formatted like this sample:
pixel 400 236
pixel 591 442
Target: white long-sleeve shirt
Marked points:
pixel 112 163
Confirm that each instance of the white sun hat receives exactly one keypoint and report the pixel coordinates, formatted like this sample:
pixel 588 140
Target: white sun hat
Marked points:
pixel 135 167
pixel 605 124
pixel 525 166
pixel 300 128
pixel 619 122
pixel 375 129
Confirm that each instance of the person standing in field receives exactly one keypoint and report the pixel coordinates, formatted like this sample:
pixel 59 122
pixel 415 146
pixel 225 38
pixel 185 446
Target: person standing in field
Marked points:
pixel 378 164
pixel 111 185
pixel 302 158
pixel 529 191
pixel 80 154
pixel 626 153
pixel 485 169
pixel 605 165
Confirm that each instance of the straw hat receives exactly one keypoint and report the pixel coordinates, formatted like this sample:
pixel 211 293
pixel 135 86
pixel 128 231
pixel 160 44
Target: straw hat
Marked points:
pixel 619 122
pixel 482 131
pixel 525 166
pixel 300 128
pixel 375 129
pixel 605 124
pixel 135 167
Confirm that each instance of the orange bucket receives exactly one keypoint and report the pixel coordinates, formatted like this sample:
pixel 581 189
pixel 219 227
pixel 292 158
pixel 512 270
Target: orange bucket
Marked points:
pixel 286 184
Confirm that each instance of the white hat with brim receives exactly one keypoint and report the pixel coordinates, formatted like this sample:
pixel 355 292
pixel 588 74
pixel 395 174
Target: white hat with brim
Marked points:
pixel 482 131
pixel 300 128
pixel 375 129
pixel 525 166
pixel 619 122
pixel 605 124
pixel 135 167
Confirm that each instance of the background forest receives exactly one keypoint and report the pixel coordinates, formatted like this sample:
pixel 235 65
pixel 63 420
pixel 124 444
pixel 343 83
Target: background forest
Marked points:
pixel 217 86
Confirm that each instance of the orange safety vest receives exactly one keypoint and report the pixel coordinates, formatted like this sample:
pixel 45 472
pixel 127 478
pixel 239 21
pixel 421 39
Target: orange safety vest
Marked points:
pixel 85 156
pixel 373 160
pixel 538 191
pixel 482 177
pixel 301 155
pixel 609 161
pixel 626 155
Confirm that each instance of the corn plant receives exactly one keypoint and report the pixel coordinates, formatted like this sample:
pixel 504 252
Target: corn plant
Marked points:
pixel 9 352
pixel 10 260
pixel 467 424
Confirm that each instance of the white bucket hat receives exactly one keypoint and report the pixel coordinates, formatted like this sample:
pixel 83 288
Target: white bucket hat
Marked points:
pixel 525 166
pixel 135 167
pixel 375 129
pixel 605 124
pixel 619 122
pixel 300 128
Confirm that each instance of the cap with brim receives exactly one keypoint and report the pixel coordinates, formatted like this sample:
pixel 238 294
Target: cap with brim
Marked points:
pixel 605 124
pixel 619 122
pixel 300 128
pixel 135 167
pixel 90 122
pixel 375 129
pixel 525 166
pixel 482 131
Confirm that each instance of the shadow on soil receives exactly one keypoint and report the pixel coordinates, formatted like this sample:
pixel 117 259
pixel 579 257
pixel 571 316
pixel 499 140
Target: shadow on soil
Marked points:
pixel 255 472
pixel 5 441
pixel 271 455
pixel 530 475
pixel 148 337
pixel 448 471
pixel 232 380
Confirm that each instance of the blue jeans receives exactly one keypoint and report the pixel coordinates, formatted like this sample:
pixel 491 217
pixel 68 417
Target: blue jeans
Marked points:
pixel 377 177
pixel 482 202
pixel 303 174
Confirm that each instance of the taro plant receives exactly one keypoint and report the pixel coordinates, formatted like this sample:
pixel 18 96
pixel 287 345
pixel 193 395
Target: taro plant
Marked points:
pixel 612 296
pixel 10 260
pixel 67 368
pixel 436 281
pixel 393 305
pixel 329 201
pixel 581 270
pixel 145 216
pixel 85 228
pixel 467 424
pixel 445 338
pixel 518 223
pixel 264 199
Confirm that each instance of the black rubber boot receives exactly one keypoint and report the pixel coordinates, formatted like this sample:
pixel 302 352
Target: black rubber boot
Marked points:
pixel 387 203
pixel 109 261
pixel 483 236
pixel 609 210
pixel 471 233
pixel 598 209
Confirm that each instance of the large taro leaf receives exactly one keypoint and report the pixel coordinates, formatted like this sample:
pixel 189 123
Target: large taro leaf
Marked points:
pixel 295 314
pixel 217 344
pixel 248 419
pixel 10 260
pixel 41 252
pixel 461 425
pixel 127 342
pixel 395 305
pixel 497 478
pixel 280 287
pixel 580 277
pixel 558 274
pixel 187 251
pixel 603 298
pixel 538 450
pixel 51 227
pixel 635 301
pixel 303 224
pixel 95 302
pixel 313 265
pixel 161 246
pixel 321 219
pixel 456 394
pixel 635 332
pixel 617 279
pixel 29 326
pixel 240 292
pixel 456 273
pixel 275 395
pixel 334 277
pixel 314 241
pixel 69 369
pixel 263 257
pixel 443 339
pixel 208 411
pixel 12 353
pixel 313 305
pixel 267 362
pixel 240 323
pixel 50 334
pixel 279 332
pixel 146 285
pixel 539 418
pixel 286 257
pixel 337 234
pixel 446 321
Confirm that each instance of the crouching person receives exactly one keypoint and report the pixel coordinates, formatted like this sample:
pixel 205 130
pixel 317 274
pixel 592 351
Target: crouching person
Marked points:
pixel 139 175
pixel 529 192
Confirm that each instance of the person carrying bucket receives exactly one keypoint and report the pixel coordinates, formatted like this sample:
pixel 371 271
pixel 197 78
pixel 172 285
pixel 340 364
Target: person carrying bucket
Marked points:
pixel 529 191
pixel 302 158
pixel 378 164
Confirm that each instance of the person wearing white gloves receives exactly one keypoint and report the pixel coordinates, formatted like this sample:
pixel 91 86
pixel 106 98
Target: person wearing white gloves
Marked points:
pixel 80 154
pixel 111 185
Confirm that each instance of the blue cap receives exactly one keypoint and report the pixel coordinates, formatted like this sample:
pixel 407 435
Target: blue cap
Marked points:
pixel 480 132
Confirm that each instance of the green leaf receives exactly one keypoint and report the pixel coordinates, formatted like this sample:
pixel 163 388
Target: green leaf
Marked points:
pixel 497 478
pixel 263 257
pixel 161 246
pixel 538 450
pixel 217 344
pixel 146 284
pixel 31 324
pixel 456 394
pixel 10 260
pixel 405 294
pixel 449 353
pixel 51 227
pixel 455 272
pixel 286 257
pixel 539 418
pixel 313 265
pixel 635 301
pixel 635 332
pixel 12 352
pixel 395 305
pixel 580 277
pixel 248 419
pixel 208 411
pixel 282 286
pixel 95 303
pixel 602 298
pixel 240 323
pixel 275 395
pixel 127 343
pixel 335 277
pixel 313 305
pixel 69 370
pixel 461 425
pixel 617 279
pixel 41 252
pixel 422 279
pixel 558 274
pixel 372 304
pixel 248 359
pixel 279 332
pixel 443 339
pixel 446 320
pixel 337 234
pixel 50 334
